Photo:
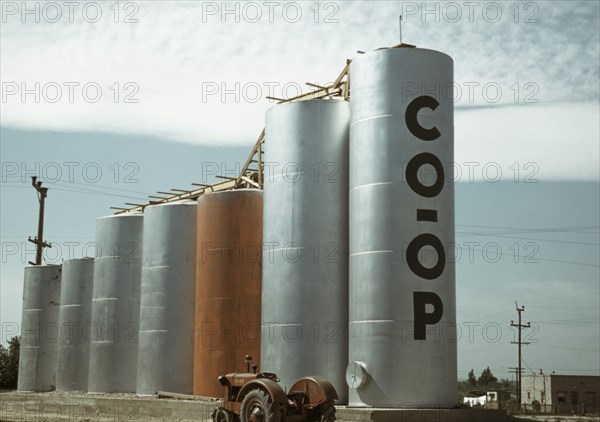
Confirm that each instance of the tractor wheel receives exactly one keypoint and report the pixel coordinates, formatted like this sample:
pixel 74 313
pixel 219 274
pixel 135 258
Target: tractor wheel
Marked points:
pixel 223 415
pixel 325 412
pixel 258 406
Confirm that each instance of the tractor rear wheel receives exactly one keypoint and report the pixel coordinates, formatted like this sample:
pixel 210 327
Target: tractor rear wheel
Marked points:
pixel 223 415
pixel 258 406
pixel 324 412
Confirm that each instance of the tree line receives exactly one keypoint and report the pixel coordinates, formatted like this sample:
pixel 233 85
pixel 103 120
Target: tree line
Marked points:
pixel 486 380
pixel 9 364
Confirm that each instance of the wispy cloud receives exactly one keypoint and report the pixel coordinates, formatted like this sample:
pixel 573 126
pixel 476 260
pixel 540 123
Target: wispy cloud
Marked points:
pixel 200 71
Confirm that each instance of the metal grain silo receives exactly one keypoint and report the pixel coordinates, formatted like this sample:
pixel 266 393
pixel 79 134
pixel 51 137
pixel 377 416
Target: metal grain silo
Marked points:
pixel 74 321
pixel 228 286
pixel 116 304
pixel 305 235
pixel 165 360
pixel 39 328
pixel 402 346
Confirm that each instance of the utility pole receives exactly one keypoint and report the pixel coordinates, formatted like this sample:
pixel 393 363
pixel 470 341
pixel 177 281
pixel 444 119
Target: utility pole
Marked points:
pixel 514 371
pixel 519 343
pixel 39 240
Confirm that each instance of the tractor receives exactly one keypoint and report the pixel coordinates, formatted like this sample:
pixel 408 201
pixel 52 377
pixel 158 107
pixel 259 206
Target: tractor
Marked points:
pixel 257 397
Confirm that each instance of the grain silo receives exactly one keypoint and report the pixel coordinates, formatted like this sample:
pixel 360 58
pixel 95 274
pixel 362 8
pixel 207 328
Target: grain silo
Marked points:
pixel 165 359
pixel 305 235
pixel 40 331
pixel 74 321
pixel 402 345
pixel 116 304
pixel 228 286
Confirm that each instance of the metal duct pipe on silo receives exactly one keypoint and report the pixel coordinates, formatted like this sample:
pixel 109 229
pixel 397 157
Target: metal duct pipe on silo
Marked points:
pixel 165 360
pixel 402 282
pixel 305 235
pixel 39 328
pixel 116 304
pixel 228 286
pixel 74 321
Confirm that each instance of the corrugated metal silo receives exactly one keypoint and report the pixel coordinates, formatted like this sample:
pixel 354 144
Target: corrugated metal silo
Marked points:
pixel 402 286
pixel 74 320
pixel 228 286
pixel 39 328
pixel 116 304
pixel 166 338
pixel 305 264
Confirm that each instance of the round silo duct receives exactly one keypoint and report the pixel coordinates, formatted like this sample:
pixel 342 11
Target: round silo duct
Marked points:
pixel 116 304
pixel 228 286
pixel 305 236
pixel 74 321
pixel 40 331
pixel 402 345
pixel 166 338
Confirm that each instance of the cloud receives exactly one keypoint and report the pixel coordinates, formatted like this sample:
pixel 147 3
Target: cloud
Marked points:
pixel 200 71
pixel 541 142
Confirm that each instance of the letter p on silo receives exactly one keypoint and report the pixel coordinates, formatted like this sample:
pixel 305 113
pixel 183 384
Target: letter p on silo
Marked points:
pixel 421 316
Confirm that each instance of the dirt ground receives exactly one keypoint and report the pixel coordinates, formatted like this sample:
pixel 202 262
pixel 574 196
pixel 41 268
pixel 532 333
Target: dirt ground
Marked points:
pixel 560 418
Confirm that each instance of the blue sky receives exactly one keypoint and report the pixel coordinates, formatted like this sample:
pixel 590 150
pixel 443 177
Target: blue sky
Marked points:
pixel 183 99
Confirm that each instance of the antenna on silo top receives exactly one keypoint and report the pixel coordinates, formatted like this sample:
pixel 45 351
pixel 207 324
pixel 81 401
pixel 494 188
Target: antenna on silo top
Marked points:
pixel 400 27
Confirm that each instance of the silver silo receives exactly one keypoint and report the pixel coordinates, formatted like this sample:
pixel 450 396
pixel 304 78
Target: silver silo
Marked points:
pixel 165 360
pixel 116 304
pixel 74 321
pixel 402 342
pixel 39 328
pixel 305 237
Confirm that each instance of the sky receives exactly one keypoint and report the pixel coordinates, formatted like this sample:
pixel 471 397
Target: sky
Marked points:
pixel 109 102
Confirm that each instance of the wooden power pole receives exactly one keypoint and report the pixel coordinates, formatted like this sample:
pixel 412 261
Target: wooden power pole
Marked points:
pixel 519 342
pixel 39 239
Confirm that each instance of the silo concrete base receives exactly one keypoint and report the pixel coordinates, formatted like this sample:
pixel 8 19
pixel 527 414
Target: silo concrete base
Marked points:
pixel 108 407
pixel 347 414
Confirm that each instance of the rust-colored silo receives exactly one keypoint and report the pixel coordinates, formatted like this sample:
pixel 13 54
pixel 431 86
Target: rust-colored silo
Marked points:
pixel 228 286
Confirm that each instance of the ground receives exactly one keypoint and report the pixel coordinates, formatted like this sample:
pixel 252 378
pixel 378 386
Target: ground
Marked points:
pixel 561 418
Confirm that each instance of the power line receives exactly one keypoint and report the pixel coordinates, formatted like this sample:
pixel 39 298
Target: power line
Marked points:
pixel 569 229
pixel 88 191
pixel 88 184
pixel 527 238
pixel 92 192
pixel 561 261
pixel 577 308
pixel 577 349
pixel 563 298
